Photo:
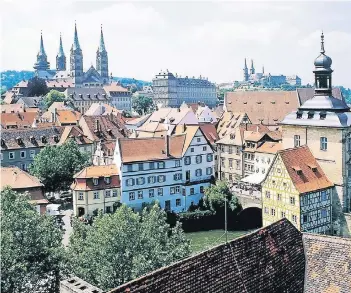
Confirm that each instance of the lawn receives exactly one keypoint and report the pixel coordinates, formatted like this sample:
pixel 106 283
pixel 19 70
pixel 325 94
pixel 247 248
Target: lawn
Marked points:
pixel 203 240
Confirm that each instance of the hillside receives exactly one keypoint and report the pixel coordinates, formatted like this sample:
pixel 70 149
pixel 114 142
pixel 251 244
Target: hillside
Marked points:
pixel 9 78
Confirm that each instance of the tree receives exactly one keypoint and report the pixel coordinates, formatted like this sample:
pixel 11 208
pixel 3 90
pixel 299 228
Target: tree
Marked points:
pixel 143 105
pixel 56 165
pixel 124 245
pixel 37 87
pixel 215 195
pixel 31 247
pixel 53 96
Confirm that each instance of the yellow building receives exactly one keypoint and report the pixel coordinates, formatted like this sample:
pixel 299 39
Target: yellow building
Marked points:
pixel 296 188
pixel 96 188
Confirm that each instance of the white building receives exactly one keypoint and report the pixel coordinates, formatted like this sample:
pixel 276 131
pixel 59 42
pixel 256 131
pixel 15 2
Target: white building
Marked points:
pixel 205 115
pixel 120 97
pixel 173 170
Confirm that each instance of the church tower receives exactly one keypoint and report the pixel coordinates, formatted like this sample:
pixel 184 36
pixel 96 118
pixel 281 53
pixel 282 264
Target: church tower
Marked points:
pixel 60 58
pixel 252 70
pixel 246 72
pixel 102 59
pixel 323 123
pixel 76 60
pixel 42 60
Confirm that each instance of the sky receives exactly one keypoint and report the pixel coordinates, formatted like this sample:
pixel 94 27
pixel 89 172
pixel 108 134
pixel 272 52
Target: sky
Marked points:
pixel 190 38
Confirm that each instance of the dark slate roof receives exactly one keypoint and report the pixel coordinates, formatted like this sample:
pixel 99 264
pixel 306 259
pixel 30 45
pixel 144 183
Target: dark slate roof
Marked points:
pixel 30 137
pixel 269 260
pixel 328 263
pixel 87 94
pixel 29 102
pixel 305 94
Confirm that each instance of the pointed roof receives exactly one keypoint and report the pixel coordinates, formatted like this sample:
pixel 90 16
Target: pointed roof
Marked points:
pixel 41 50
pixel 61 52
pixel 245 64
pixel 76 45
pixel 102 42
pixel 252 66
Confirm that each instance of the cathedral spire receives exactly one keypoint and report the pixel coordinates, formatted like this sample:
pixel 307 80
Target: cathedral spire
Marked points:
pixel 76 41
pixel 102 42
pixel 246 72
pixel 61 58
pixel 252 70
pixel 42 62
pixel 61 52
pixel 245 64
pixel 41 50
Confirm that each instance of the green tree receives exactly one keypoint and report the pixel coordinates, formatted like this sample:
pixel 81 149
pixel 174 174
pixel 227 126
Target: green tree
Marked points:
pixel 56 165
pixel 215 195
pixel 143 105
pixel 37 87
pixel 53 96
pixel 121 246
pixel 31 247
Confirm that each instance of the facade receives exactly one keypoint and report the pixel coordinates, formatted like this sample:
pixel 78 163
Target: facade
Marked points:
pixel 75 75
pixel 96 188
pixel 119 97
pixel 296 188
pixel 172 91
pixel 173 170
pixel 21 182
pixel 205 115
pixel 19 146
pixel 323 124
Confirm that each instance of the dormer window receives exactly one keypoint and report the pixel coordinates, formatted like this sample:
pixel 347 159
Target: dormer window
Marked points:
pixel 19 140
pixel 95 181
pixel 55 137
pixel 107 180
pixel 310 115
pixel 43 139
pixel 297 169
pixel 299 114
pixel 312 167
pixel 323 115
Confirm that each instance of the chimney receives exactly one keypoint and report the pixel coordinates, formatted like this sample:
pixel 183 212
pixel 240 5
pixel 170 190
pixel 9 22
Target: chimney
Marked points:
pixel 55 115
pixel 167 144
pixel 97 125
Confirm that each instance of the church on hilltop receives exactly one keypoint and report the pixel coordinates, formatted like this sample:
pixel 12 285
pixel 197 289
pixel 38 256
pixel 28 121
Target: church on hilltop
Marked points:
pixel 93 77
pixel 267 80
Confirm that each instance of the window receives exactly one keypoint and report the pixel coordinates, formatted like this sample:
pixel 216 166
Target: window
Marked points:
pixel 151 193
pixel 177 163
pixel 11 155
pixel 198 139
pixel 32 154
pixel 177 176
pixel 223 162
pixel 230 163
pixel 323 195
pixel 187 160
pixel 273 212
pixel 296 141
pixel 177 189
pixel 304 218
pixel 115 193
pixel 209 158
pixel 130 182
pixel 292 200
pixel 140 194
pixel 95 181
pixel 192 150
pixel 222 148
pixel 172 190
pixel 151 179
pixel 107 180
pixel 266 210
pixel 96 195
pixel 107 193
pixel 80 196
pixel 161 178
pixel 282 214
pixel 324 143
pixel 151 165
pixel 192 191
pixel 131 195
pixel 268 194
pixel 1 156
pixel 324 213
pixel 230 150
pixel 187 175
pixel 238 164
pixel 141 166
pixel 294 218
pixel 130 168
pixel 198 172
pixel 204 148
pixel 310 114
pixel 198 159
pixel 23 154
pixel 209 171
pixel 108 209
pixel 178 202
pixel 201 189
pixel 141 181
pixel 161 165
pixel 279 197
pixel 160 191
pixel 349 144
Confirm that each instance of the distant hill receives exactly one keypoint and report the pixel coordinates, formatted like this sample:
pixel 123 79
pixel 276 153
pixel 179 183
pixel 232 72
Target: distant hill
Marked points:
pixel 9 78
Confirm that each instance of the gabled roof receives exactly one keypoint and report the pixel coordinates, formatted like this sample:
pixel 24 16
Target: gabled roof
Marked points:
pixel 18 120
pixel 154 148
pixel 9 97
pixel 101 109
pixel 173 115
pixel 305 94
pixel 269 147
pixel 68 116
pixel 29 102
pixel 210 132
pixel 302 159
pixel 73 132
pixel 97 171
pixel 12 108
pixel 18 179
pixel 229 121
pixel 268 260
pixel 115 87
pixel 328 262
pixel 240 132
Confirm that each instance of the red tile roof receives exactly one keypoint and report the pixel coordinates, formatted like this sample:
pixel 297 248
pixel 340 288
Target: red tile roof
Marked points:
pixel 209 130
pixel 302 159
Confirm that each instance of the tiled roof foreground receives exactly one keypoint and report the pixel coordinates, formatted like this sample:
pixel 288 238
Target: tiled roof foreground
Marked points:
pixel 271 260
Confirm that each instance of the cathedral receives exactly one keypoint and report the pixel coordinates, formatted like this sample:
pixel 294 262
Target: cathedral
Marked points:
pixel 94 77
